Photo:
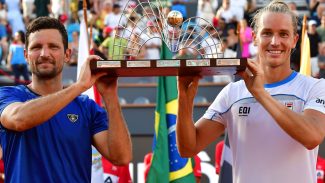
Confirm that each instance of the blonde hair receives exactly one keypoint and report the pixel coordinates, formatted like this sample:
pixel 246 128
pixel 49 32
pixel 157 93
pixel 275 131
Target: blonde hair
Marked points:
pixel 276 6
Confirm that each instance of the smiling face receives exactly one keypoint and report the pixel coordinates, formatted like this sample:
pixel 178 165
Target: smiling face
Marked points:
pixel 275 39
pixel 45 54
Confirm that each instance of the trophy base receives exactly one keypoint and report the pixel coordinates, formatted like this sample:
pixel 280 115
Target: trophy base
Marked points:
pixel 172 67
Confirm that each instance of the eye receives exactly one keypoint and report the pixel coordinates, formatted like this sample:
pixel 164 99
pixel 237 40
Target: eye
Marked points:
pixel 35 47
pixel 266 33
pixel 284 34
pixel 54 47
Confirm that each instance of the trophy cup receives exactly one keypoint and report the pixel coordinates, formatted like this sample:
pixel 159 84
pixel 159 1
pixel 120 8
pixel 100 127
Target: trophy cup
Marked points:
pixel 142 17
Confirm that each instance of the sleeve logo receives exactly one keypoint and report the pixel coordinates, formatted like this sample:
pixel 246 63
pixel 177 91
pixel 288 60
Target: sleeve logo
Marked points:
pixel 320 101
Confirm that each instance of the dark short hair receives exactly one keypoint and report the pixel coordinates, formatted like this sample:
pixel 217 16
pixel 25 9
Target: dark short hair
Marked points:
pixel 116 5
pixel 47 23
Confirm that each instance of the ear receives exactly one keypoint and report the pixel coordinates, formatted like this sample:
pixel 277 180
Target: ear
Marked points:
pixel 26 55
pixel 254 38
pixel 67 55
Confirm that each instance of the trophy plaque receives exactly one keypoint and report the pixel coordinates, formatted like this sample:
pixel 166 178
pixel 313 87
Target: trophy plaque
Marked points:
pixel 172 67
pixel 194 45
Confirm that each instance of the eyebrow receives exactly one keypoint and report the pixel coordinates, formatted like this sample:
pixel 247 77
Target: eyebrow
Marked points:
pixel 281 30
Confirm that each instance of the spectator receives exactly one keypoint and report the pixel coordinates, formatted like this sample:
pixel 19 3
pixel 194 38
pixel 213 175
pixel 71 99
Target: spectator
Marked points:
pixel 321 28
pixel 105 10
pixel 152 41
pixel 321 60
pixel 115 45
pixel 226 12
pixel 315 40
pixel 42 7
pixel 3 41
pixel 218 155
pixel 28 10
pixel 74 47
pixel 15 18
pixel 73 26
pixel 3 12
pixel 210 43
pixel 232 37
pixel 245 33
pixel 238 7
pixel 293 7
pixel 224 52
pixel 250 11
pixel 57 8
pixel 135 48
pixel 16 59
pixel 206 10
pixel 115 18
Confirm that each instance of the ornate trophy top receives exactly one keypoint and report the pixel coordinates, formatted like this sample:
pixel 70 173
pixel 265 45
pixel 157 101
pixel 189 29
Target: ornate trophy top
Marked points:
pixel 142 20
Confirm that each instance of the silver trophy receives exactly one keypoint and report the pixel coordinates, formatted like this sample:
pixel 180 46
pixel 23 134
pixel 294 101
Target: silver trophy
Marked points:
pixel 142 21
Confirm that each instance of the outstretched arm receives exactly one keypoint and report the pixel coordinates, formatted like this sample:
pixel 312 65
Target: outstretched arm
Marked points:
pixel 191 138
pixel 308 128
pixel 114 144
pixel 21 116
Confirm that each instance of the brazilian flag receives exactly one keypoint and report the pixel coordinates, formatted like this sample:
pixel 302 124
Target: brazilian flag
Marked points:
pixel 167 165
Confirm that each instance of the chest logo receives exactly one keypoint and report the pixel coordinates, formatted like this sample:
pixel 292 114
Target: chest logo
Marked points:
pixel 72 117
pixel 244 111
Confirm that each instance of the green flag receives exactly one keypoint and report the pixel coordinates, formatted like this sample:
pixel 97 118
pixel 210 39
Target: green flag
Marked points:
pixel 166 163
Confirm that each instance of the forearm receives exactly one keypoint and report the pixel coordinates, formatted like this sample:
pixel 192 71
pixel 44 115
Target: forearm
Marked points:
pixel 119 141
pixel 185 129
pixel 306 130
pixel 23 116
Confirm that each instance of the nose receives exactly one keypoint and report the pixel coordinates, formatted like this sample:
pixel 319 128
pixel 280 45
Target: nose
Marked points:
pixel 45 52
pixel 275 40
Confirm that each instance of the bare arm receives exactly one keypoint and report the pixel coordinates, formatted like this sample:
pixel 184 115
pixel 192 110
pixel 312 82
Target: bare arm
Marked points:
pixel 114 144
pixel 307 128
pixel 20 116
pixel 191 138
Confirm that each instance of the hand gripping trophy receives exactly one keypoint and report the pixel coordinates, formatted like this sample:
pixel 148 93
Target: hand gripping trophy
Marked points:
pixel 143 20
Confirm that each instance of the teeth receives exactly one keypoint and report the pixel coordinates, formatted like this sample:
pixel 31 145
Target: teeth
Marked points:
pixel 275 52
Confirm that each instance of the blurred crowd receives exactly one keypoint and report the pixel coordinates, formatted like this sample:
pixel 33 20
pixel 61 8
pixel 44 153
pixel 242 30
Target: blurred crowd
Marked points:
pixel 138 32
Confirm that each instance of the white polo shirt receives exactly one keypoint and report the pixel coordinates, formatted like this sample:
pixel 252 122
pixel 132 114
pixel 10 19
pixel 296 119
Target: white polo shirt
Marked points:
pixel 262 151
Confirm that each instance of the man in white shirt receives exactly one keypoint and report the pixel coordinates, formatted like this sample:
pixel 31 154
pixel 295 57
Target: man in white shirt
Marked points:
pixel 275 117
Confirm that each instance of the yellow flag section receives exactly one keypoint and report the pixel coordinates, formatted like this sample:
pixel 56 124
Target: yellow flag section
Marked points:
pixel 305 65
pixel 166 164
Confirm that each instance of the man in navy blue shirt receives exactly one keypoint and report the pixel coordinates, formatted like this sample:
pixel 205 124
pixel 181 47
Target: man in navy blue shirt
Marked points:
pixel 47 131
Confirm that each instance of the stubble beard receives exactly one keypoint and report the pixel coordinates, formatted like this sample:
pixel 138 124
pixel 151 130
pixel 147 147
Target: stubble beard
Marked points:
pixel 46 75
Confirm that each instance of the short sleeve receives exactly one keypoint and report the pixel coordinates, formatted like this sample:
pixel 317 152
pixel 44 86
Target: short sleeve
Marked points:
pixel 218 107
pixel 8 95
pixel 99 119
pixel 316 98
